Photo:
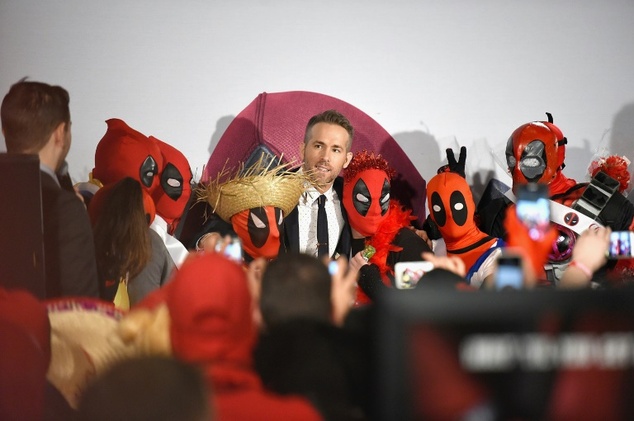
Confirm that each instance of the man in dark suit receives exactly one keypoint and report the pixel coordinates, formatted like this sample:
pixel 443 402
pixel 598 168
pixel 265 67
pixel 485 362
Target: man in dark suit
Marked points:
pixel 36 120
pixel 325 152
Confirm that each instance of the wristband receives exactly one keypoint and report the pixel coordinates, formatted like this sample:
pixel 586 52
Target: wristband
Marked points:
pixel 583 268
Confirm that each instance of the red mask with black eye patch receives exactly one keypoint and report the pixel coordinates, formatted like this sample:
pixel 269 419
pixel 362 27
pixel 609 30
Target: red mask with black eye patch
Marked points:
pixel 260 230
pixel 172 195
pixel 452 208
pixel 366 198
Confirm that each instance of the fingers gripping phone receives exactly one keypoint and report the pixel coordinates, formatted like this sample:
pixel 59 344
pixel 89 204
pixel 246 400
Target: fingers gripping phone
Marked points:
pixel 233 249
pixel 509 273
pixel 533 209
pixel 407 274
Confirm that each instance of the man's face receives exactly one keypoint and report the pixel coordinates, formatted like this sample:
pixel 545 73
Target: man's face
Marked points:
pixel 326 153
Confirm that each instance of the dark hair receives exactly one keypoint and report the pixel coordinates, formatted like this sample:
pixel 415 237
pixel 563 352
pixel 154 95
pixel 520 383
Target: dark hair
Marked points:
pixel 30 112
pixel 147 388
pixel 330 117
pixel 122 238
pixel 295 286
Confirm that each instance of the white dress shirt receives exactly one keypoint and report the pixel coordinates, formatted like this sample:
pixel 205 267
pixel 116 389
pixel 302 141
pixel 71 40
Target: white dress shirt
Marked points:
pixel 307 220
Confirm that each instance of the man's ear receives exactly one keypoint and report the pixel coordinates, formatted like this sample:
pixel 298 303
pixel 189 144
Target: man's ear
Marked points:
pixel 348 159
pixel 59 134
pixel 302 149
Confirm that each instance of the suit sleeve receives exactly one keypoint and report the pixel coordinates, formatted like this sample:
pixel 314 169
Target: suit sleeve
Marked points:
pixel 77 264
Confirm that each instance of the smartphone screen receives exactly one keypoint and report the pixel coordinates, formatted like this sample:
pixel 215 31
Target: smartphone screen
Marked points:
pixel 621 245
pixel 233 250
pixel 533 209
pixel 407 274
pixel 509 273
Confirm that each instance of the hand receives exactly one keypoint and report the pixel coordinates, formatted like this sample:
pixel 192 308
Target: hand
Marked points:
pixel 451 263
pixel 343 291
pixel 208 242
pixel 357 262
pixel 423 235
pixel 255 271
pixel 591 248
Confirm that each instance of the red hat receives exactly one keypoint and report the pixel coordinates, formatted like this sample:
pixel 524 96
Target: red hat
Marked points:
pixel 210 311
pixel 125 152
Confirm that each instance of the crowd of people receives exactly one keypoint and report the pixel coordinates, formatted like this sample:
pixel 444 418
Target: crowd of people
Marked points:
pixel 282 328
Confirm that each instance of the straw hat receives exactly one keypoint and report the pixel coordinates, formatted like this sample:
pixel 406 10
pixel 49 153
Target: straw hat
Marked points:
pixel 257 186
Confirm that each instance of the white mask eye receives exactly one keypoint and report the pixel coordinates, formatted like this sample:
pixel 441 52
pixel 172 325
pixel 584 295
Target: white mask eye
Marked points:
pixel 172 182
pixel 361 198
pixel 436 208
pixel 279 222
pixel 458 206
pixel 386 198
pixel 257 221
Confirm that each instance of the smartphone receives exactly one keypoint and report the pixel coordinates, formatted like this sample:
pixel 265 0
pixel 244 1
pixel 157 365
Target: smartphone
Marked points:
pixel 233 250
pixel 533 209
pixel 621 245
pixel 509 273
pixel 333 267
pixel 407 274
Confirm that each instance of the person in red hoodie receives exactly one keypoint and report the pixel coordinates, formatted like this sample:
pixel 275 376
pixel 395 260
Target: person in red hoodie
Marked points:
pixel 209 319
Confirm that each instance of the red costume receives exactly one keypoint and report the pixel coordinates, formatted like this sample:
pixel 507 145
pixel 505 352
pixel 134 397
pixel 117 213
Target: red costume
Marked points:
pixel 383 223
pixel 211 326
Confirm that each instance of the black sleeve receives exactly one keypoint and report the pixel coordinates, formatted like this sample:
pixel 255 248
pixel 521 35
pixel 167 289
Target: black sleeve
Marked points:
pixel 490 219
pixel 370 281
pixel 412 246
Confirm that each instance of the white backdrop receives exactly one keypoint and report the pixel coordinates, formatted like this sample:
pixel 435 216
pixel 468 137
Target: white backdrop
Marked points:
pixel 433 73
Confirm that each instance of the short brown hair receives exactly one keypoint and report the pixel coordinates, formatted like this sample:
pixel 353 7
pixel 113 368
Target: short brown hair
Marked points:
pixel 330 117
pixel 30 112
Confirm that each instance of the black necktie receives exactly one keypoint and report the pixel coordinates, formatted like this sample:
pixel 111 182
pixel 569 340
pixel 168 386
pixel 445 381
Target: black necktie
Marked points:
pixel 322 228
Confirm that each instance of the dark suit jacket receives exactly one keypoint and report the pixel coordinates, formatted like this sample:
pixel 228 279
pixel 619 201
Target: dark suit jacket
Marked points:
pixel 290 239
pixel 69 250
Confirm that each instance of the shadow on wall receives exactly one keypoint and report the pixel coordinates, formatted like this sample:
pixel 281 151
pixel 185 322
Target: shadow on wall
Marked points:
pixel 578 160
pixel 622 137
pixel 221 127
pixel 422 149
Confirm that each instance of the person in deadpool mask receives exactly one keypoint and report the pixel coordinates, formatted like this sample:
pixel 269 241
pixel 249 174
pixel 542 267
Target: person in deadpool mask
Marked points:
pixel 452 211
pixel 175 189
pixel 255 202
pixel 378 221
pixel 124 152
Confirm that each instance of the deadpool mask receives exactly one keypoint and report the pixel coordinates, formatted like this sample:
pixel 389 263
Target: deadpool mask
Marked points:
pixel 532 154
pixel 366 199
pixel 260 230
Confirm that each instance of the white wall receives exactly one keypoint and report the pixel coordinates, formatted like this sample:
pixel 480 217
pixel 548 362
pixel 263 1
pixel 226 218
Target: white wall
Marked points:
pixel 433 73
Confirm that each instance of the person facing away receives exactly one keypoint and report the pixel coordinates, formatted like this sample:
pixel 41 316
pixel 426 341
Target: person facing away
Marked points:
pixel 125 245
pixel 302 347
pixel 204 317
pixel 36 120
pixel 326 150
pixel 145 388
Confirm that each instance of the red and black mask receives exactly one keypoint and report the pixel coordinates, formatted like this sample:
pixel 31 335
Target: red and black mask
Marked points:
pixel 451 206
pixel 260 230
pixel 174 191
pixel 124 152
pixel 532 153
pixel 366 198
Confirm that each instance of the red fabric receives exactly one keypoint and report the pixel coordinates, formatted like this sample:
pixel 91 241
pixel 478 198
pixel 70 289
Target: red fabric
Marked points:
pixel 561 184
pixel 457 234
pixel 176 171
pixel 25 353
pixel 271 246
pixel 121 153
pixel 366 224
pixel 534 252
pixel 615 167
pixel 397 218
pixel 278 120
pixel 212 326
